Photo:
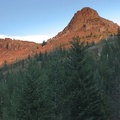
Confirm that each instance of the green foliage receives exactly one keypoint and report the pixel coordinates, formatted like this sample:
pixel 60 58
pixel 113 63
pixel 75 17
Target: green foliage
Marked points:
pixel 84 99
pixel 44 43
pixel 63 85
pixel 31 96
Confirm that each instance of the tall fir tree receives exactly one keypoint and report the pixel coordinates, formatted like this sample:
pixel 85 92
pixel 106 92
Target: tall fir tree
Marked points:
pixel 83 98
pixel 31 101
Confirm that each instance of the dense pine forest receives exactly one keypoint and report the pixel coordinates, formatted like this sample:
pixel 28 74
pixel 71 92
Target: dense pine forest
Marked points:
pixel 80 83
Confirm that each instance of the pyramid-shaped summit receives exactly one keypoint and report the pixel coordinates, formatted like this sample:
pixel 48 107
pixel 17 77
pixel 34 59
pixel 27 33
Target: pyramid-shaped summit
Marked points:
pixel 88 18
pixel 88 25
pixel 87 13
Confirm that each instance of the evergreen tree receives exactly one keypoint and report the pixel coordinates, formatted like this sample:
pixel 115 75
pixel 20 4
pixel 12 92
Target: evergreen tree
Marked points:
pixel 83 98
pixel 56 78
pixel 31 101
pixel 1 100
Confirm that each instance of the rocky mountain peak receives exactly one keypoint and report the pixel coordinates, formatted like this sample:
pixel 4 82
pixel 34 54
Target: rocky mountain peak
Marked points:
pixel 87 13
pixel 88 25
pixel 88 19
pixel 82 18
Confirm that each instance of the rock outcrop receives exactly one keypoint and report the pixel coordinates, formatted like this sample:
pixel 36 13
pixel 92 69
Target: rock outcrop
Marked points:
pixel 12 51
pixel 88 25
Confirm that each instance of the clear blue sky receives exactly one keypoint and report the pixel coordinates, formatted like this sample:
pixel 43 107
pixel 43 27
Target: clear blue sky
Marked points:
pixel 48 17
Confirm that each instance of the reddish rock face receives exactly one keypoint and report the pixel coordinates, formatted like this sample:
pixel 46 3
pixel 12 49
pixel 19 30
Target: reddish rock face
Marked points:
pixel 14 50
pixel 88 19
pixel 86 24
pixel 82 19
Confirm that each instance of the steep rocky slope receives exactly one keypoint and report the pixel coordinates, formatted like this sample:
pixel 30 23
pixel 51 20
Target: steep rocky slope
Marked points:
pixel 14 50
pixel 86 23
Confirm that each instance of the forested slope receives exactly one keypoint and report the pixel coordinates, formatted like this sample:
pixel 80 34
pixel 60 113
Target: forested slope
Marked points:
pixel 72 84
